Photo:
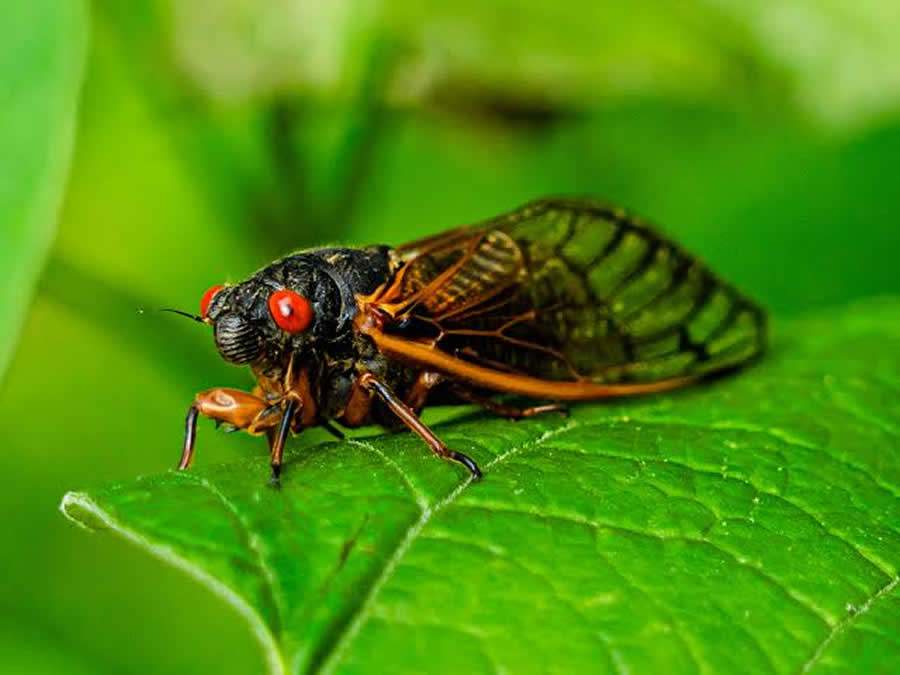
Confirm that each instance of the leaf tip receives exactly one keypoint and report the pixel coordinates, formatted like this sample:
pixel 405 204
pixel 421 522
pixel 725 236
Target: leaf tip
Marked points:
pixel 80 509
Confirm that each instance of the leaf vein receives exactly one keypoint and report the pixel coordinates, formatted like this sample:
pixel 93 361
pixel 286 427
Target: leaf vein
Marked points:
pixel 348 633
pixel 269 579
pixel 777 434
pixel 788 439
pixel 801 600
pixel 615 657
pixel 417 494
pixel 847 622
pixel 738 476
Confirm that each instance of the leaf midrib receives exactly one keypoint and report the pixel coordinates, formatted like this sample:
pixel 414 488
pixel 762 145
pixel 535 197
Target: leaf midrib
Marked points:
pixel 336 642
pixel 339 641
pixel 269 584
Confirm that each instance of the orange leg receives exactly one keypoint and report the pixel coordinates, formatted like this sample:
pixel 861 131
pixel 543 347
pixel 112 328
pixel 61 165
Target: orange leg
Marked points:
pixel 504 410
pixel 418 393
pixel 408 416
pixel 242 411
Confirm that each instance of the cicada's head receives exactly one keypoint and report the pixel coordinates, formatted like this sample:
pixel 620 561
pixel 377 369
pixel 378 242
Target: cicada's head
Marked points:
pixel 284 309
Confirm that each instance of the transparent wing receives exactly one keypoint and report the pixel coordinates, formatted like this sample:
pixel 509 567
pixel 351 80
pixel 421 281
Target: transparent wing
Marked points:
pixel 572 290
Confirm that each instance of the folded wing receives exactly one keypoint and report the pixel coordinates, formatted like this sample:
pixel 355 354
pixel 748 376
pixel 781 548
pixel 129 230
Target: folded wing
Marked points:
pixel 571 291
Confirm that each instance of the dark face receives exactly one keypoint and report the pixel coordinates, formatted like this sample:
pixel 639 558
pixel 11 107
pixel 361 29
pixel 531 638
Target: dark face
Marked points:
pixel 285 308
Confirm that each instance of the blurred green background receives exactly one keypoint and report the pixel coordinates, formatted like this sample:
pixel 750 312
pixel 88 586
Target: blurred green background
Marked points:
pixel 213 137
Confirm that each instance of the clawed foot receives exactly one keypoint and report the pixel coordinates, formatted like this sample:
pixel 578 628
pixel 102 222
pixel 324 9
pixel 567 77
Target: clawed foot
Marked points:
pixel 275 480
pixel 467 462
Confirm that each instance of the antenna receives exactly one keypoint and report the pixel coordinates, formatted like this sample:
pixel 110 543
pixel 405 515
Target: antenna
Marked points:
pixel 198 319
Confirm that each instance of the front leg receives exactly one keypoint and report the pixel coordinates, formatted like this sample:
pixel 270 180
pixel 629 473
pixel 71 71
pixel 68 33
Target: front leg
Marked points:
pixel 232 406
pixel 408 416
pixel 278 437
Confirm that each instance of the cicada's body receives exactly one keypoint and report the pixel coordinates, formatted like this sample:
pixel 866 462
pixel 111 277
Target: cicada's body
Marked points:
pixel 560 300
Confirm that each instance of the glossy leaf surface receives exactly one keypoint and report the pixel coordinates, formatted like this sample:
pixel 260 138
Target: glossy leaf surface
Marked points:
pixel 745 526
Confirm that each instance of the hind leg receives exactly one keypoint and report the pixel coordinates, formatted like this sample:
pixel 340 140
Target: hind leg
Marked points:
pixel 505 410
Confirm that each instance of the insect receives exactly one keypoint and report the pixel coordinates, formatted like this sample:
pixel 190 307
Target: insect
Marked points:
pixel 559 300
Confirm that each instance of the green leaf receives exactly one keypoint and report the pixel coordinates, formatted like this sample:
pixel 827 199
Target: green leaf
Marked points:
pixel 854 78
pixel 568 53
pixel 750 525
pixel 42 47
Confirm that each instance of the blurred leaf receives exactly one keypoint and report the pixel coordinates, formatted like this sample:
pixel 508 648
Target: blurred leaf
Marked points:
pixel 842 59
pixel 571 55
pixel 836 62
pixel 746 526
pixel 576 54
pixel 235 49
pixel 42 45
pixel 121 413
pixel 147 186
pixel 27 648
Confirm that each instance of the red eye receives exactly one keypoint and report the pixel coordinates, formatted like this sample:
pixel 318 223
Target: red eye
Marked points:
pixel 207 299
pixel 291 311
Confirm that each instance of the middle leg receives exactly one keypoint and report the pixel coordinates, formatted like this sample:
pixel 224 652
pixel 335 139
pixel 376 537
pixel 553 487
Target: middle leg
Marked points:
pixel 503 409
pixel 408 416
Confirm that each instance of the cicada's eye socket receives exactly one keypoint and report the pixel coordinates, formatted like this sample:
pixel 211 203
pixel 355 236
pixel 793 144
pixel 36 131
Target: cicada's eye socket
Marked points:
pixel 207 299
pixel 292 312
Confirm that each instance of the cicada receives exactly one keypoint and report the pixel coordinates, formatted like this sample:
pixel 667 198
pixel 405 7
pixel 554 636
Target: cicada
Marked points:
pixel 560 300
